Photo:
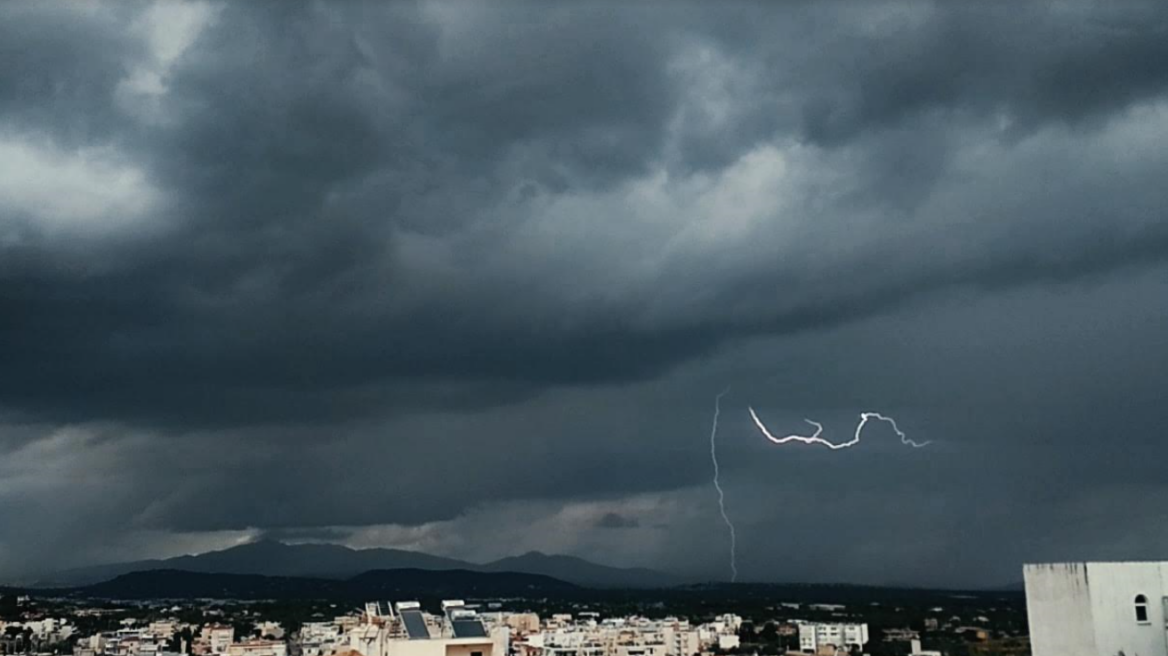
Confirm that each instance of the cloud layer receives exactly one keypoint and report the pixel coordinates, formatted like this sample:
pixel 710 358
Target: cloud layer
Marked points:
pixel 372 270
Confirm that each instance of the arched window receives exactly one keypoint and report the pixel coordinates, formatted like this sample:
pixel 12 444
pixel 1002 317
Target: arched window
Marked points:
pixel 1141 609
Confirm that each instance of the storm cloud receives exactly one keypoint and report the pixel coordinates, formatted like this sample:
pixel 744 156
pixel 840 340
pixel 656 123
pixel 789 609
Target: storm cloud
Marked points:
pixel 412 273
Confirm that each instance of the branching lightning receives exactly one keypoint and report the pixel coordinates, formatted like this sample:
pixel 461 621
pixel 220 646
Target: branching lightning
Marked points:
pixel 816 439
pixel 718 486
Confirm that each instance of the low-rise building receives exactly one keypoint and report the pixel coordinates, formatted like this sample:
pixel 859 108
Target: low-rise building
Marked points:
pixel 218 637
pixel 815 636
pixel 630 636
pixel 162 629
pixel 319 639
pixel 915 649
pixel 258 648
pixel 270 630
pixel 900 635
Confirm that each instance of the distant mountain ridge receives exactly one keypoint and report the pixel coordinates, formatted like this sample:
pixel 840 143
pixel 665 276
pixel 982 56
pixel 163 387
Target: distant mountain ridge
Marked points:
pixel 430 586
pixel 375 584
pixel 333 561
pixel 577 570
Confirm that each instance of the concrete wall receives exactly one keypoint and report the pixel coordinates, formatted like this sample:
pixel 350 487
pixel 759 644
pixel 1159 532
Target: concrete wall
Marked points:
pixel 415 648
pixel 812 636
pixel 1088 609
pixel 1058 605
pixel 500 639
pixel 439 647
pixel 1113 589
pixel 485 648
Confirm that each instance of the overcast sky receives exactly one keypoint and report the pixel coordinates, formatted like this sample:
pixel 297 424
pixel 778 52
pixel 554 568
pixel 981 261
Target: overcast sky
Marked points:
pixel 465 277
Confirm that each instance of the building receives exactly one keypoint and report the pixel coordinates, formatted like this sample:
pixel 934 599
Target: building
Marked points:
pixel 629 636
pixel 319 638
pixel 916 650
pixel 680 638
pixel 520 623
pixel 1013 646
pixel 562 642
pixel 973 633
pixel 258 648
pixel 728 641
pixel 900 635
pixel 1093 609
pixel 411 632
pixel 270 630
pixel 815 637
pixel 728 623
pixel 218 637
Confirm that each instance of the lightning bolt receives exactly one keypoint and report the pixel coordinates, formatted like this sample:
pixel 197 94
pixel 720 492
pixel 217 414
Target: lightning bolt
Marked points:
pixel 718 486
pixel 816 439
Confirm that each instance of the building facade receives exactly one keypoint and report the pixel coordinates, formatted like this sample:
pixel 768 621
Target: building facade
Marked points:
pixel 1097 609
pixel 218 637
pixel 816 637
pixel 258 648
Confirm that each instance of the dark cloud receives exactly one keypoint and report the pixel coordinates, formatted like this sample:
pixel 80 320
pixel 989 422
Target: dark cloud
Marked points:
pixel 284 268
pixel 61 67
pixel 305 534
pixel 613 520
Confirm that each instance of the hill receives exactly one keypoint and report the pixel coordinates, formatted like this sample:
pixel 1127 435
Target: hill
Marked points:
pixel 399 583
pixel 332 561
pixel 570 568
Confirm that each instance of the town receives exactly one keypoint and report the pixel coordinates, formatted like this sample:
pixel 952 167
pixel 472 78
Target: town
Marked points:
pixel 1068 609
pixel 509 627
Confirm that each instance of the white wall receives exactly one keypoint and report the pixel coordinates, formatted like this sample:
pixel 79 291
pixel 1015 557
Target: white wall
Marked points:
pixel 1113 589
pixel 813 635
pixel 501 637
pixel 440 647
pixel 1088 609
pixel 1059 610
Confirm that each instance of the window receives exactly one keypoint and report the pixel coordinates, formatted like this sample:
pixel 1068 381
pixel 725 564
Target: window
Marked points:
pixel 1141 609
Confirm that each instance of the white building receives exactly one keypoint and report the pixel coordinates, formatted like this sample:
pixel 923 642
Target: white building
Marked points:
pixel 629 636
pixel 273 629
pixel 408 631
pixel 814 636
pixel 565 642
pixel 319 638
pixel 680 638
pixel 218 637
pixel 917 651
pixel 258 648
pixel 1097 609
pixel 728 641
pixel 49 629
pixel 162 629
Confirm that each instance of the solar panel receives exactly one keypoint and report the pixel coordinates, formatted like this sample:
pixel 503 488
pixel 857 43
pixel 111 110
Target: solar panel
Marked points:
pixel 415 625
pixel 468 629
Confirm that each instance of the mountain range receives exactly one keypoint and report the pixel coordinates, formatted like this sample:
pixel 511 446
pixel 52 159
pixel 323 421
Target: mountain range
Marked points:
pixel 375 584
pixel 429 586
pixel 271 558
